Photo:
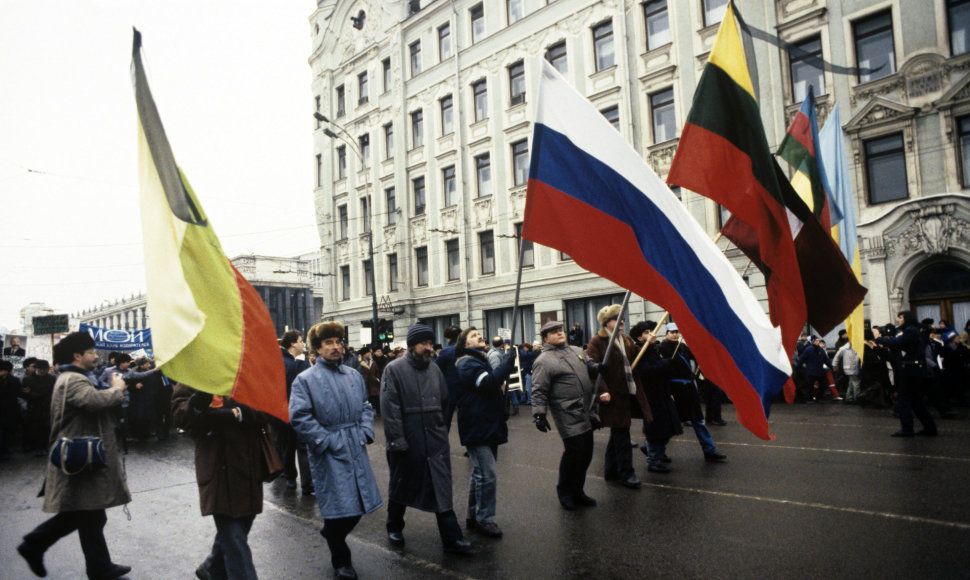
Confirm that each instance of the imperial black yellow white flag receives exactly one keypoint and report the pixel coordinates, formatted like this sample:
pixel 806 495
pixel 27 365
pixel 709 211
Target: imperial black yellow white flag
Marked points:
pixel 211 329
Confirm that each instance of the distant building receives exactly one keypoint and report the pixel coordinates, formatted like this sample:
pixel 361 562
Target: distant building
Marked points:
pixel 431 158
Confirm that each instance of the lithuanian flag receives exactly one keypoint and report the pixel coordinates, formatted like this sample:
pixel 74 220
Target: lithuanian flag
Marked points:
pixel 724 155
pixel 210 329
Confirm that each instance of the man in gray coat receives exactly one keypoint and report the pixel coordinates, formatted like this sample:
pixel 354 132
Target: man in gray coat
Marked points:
pixel 80 408
pixel 413 399
pixel 562 382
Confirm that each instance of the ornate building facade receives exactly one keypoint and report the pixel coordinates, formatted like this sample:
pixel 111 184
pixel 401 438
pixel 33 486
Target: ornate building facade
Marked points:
pixel 423 125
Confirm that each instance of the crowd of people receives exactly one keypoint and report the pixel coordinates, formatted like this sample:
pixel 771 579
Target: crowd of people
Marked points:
pixel 334 394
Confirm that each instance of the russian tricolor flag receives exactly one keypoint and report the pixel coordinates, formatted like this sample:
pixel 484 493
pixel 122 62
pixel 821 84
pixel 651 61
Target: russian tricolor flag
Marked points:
pixel 593 197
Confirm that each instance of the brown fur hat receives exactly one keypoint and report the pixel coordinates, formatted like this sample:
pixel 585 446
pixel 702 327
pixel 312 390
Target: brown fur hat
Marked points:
pixel 324 330
pixel 607 313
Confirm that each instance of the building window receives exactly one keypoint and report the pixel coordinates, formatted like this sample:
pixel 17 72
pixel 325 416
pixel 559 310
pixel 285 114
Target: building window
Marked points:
pixel 415 49
pixel 612 115
pixel 556 55
pixel 364 142
pixel 564 257
pixel 958 17
pixel 477 14
pixel 528 249
pixel 664 116
pixel 319 170
pixel 963 129
pixel 805 72
pixel 392 272
pixel 365 213
pixel 421 266
pixel 342 222
pixel 483 172
pixel 520 162
pixel 886 169
pixel 390 204
pixel 341 104
pixel 386 67
pixel 486 242
pixel 368 275
pixel 444 41
pixel 480 91
pixel 388 140
pixel 342 162
pixel 603 45
pixel 723 215
pixel 448 185
pixel 362 88
pixel 417 129
pixel 874 46
pixel 419 201
pixel 517 83
pixel 454 260
pixel 514 9
pixel 345 282
pixel 714 11
pixel 657 21
pixel 447 115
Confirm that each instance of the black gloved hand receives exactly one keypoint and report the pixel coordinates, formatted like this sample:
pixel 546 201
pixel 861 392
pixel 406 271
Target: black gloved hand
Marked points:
pixel 200 401
pixel 601 370
pixel 542 424
pixel 595 421
pixel 512 354
pixel 223 415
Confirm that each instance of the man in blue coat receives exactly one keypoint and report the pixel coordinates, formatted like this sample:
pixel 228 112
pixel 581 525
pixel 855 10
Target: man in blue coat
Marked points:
pixel 330 413
pixel 481 424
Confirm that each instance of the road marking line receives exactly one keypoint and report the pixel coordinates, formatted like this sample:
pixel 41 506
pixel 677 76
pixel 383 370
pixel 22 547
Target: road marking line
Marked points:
pixel 426 564
pixel 848 451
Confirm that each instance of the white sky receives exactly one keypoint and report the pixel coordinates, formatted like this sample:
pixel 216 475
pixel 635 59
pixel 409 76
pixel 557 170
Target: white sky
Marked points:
pixel 232 85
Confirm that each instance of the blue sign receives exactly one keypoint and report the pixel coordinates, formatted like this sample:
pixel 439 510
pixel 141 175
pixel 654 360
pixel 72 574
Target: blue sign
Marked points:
pixel 119 340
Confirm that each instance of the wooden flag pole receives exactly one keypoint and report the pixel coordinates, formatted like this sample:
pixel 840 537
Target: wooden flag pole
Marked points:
pixel 518 286
pixel 645 346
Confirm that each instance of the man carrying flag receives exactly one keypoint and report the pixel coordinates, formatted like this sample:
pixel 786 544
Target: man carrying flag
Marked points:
pixel 593 197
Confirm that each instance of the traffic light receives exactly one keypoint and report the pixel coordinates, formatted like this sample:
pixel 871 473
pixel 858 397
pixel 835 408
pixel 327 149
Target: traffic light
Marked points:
pixel 385 330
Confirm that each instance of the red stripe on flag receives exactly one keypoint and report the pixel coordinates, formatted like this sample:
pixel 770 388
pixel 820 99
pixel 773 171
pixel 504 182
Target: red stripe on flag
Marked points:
pixel 261 378
pixel 801 131
pixel 558 220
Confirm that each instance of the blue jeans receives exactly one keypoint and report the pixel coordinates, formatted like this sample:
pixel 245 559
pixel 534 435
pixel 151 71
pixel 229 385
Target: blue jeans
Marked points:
pixel 703 433
pixel 656 449
pixel 528 389
pixel 230 556
pixel 483 484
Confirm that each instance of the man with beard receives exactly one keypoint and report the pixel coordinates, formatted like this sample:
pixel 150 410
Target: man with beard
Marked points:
pixel 563 383
pixel 413 400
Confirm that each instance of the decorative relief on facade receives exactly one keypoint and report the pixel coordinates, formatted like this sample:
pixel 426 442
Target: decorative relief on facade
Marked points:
pixel 661 156
pixel 896 299
pixel 924 78
pixel 390 236
pixel 933 231
pixel 879 111
pixel 872 249
pixel 878 88
pixel 449 219
pixel 419 229
pixel 517 203
pixel 373 18
pixel 787 8
pixel 343 251
pixel 482 212
pixel 823 106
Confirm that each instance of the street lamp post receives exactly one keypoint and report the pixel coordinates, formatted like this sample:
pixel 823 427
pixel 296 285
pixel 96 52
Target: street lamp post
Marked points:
pixel 348 139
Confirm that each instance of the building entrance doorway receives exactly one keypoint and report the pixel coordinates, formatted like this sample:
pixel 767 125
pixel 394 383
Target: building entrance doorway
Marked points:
pixel 942 291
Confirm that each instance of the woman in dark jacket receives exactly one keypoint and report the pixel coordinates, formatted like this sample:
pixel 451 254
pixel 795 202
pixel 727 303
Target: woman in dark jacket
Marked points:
pixel 229 468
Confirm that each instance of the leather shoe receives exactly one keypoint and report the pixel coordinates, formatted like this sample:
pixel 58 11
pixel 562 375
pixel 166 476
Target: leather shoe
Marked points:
pixel 567 503
pixel 715 457
pixel 489 529
pixel 643 449
pixel 459 547
pixel 396 538
pixel 346 572
pixel 665 459
pixel 902 433
pixel 632 482
pixel 928 432
pixel 658 468
pixel 611 476
pixel 718 422
pixel 34 558
pixel 470 523
pixel 583 499
pixel 114 571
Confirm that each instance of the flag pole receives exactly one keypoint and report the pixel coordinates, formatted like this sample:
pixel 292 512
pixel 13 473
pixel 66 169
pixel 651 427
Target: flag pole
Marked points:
pixel 518 286
pixel 609 346
pixel 644 349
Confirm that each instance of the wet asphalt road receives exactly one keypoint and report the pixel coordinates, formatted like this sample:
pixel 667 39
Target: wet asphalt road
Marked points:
pixel 832 497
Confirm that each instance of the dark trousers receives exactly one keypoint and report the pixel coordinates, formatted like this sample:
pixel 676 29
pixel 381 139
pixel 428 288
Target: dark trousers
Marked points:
pixel 576 457
pixel 713 396
pixel 910 402
pixel 231 556
pixel 335 531
pixel 619 455
pixel 448 527
pixel 90 530
pixel 293 453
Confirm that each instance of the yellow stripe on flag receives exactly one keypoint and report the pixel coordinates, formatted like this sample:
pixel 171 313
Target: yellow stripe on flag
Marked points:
pixel 728 52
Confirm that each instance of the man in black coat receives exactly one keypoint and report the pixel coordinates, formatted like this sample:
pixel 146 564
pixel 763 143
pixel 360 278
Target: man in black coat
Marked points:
pixel 653 370
pixel 909 370
pixel 413 401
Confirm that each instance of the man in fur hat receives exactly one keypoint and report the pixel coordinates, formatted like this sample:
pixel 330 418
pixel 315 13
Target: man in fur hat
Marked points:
pixel 413 400
pixel 621 395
